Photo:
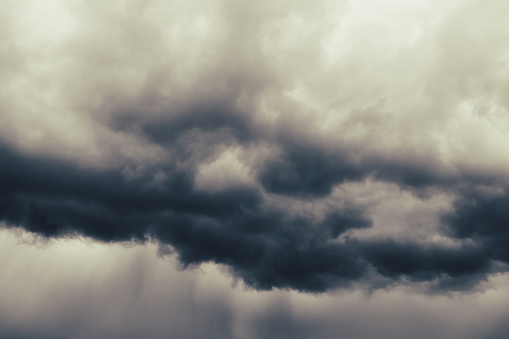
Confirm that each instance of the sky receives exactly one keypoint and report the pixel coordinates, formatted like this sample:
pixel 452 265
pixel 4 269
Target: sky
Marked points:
pixel 269 169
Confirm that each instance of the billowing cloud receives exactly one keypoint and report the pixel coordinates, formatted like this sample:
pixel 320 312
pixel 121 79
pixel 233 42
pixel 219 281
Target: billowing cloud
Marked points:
pixel 304 146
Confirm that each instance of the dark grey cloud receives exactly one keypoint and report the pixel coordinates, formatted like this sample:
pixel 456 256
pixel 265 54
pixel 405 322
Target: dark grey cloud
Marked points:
pixel 482 219
pixel 451 269
pixel 307 168
pixel 267 247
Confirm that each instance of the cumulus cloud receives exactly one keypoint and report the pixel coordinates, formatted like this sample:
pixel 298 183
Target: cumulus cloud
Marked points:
pixel 304 146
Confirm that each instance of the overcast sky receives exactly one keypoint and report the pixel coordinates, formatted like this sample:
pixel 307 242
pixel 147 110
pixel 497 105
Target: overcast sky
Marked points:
pixel 264 169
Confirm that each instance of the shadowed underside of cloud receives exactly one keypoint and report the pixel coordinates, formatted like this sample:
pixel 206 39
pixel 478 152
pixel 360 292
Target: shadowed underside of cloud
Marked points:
pixel 266 246
pixel 484 220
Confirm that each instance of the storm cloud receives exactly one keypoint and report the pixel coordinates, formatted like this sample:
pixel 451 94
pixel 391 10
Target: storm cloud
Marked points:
pixel 304 147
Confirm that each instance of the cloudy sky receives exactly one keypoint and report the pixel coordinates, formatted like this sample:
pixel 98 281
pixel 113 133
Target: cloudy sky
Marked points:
pixel 263 169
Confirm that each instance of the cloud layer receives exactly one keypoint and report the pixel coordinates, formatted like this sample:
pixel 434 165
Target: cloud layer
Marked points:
pixel 307 147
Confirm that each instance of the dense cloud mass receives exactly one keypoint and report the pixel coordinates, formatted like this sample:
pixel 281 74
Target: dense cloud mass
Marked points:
pixel 304 146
